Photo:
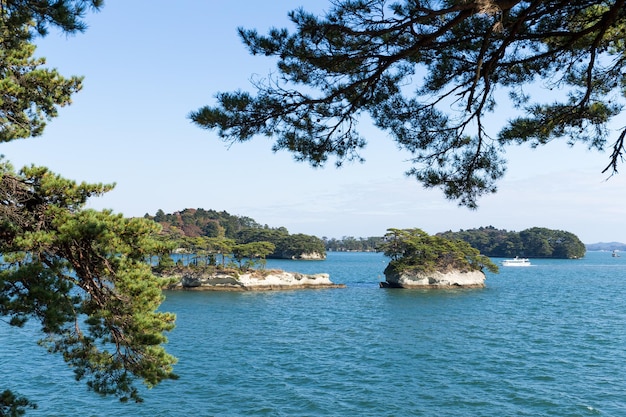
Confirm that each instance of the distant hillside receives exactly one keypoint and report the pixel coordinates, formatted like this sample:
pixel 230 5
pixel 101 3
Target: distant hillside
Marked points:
pixel 188 224
pixel 536 242
pixel 607 246
pixel 199 222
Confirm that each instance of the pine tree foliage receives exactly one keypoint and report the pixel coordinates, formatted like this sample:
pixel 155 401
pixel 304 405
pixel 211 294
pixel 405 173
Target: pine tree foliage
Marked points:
pixel 30 94
pixel 432 74
pixel 83 274
pixel 12 405
pixel 66 15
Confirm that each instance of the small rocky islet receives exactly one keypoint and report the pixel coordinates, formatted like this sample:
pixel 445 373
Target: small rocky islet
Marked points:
pixel 254 280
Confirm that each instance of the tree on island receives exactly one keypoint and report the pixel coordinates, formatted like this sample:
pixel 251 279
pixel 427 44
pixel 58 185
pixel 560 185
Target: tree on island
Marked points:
pixel 253 253
pixel 83 274
pixel 415 251
pixel 431 73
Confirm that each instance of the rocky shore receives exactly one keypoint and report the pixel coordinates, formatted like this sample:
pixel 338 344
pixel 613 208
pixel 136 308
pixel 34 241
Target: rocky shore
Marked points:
pixel 453 279
pixel 252 281
pixel 310 256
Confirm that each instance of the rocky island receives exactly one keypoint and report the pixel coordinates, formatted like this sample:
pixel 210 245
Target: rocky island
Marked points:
pixel 187 279
pixel 419 260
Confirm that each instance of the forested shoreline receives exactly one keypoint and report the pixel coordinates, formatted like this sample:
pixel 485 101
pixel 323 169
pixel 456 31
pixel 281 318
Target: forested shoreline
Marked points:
pixel 534 242
pixel 199 229
pixel 187 226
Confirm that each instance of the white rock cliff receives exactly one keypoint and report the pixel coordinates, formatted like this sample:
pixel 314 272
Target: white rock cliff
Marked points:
pixel 272 280
pixel 471 279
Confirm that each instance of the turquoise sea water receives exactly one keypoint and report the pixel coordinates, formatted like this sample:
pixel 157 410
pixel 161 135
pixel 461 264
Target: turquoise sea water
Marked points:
pixel 548 340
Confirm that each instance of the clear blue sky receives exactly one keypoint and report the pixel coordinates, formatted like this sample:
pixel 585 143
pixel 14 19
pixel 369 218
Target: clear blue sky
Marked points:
pixel 147 65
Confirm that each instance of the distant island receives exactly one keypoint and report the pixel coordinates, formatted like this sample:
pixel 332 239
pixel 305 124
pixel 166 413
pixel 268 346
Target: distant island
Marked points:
pixel 536 242
pixel 606 246
pixel 210 231
pixel 204 231
pixel 352 244
pixel 211 250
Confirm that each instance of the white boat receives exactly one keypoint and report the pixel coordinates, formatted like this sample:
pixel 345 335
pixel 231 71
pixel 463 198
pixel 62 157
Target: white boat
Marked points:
pixel 616 254
pixel 516 262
